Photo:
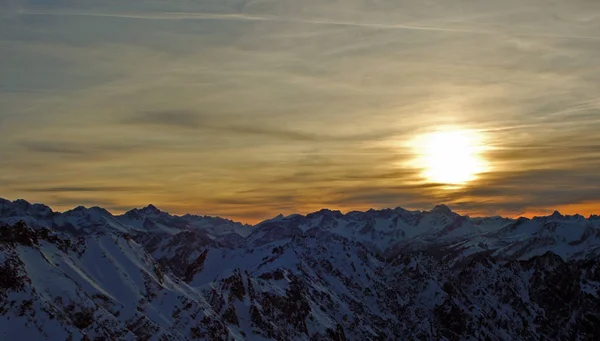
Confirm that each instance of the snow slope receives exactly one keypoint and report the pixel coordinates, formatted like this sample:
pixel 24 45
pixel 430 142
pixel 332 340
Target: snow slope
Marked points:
pixel 376 275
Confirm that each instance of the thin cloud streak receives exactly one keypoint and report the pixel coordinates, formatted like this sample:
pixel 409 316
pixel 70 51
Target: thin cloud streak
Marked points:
pixel 84 189
pixel 248 17
pixel 186 120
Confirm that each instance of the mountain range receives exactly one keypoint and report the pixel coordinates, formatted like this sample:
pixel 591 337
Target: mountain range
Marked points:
pixel 391 274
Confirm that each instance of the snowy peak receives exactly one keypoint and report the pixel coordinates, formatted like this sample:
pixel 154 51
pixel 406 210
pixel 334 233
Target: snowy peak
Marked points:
pixel 21 204
pixel 385 231
pixel 95 219
pixel 217 226
pixel 79 208
pixel 150 209
pixel 41 210
pixel 92 211
pixel 442 209
pixel 325 212
pixel 23 207
pixel 144 211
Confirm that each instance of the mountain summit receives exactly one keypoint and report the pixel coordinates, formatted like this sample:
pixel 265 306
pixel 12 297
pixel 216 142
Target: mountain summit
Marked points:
pixel 442 209
pixel 150 209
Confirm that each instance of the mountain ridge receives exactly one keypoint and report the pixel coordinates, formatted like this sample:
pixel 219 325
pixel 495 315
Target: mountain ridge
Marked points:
pixel 440 208
pixel 86 274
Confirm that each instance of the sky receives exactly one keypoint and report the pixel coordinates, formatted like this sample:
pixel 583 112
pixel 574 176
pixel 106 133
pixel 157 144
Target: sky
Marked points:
pixel 251 108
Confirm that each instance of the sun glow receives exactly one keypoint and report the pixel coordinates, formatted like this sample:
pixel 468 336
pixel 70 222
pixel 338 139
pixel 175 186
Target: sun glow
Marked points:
pixel 453 157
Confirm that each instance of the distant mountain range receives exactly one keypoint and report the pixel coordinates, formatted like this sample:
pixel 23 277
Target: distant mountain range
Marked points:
pixel 390 274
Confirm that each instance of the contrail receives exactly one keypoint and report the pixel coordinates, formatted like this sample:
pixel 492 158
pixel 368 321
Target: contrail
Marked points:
pixel 152 16
pixel 247 17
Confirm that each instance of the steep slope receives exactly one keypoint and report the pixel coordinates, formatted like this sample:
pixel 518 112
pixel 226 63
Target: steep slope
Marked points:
pixel 103 286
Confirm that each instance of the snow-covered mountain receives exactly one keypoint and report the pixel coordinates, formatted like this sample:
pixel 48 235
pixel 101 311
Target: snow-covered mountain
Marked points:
pixel 391 274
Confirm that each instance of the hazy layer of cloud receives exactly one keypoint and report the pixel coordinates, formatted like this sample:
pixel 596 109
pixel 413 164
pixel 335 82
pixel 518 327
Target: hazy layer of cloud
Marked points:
pixel 83 189
pixel 192 120
pixel 251 108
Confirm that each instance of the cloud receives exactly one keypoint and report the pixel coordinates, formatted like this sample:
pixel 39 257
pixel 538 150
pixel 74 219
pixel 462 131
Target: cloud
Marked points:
pixel 58 189
pixel 272 133
pixel 328 22
pixel 75 149
pixel 53 147
pixel 174 118
pixel 522 191
pixel 192 120
pixel 255 108
pixel 184 119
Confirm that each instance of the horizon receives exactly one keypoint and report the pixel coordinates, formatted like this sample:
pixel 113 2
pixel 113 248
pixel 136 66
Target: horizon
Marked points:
pixel 344 212
pixel 246 109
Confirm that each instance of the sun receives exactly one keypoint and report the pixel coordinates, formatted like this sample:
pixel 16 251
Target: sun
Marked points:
pixel 453 157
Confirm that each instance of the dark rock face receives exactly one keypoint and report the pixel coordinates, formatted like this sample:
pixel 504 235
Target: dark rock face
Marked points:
pixel 195 267
pixel 11 276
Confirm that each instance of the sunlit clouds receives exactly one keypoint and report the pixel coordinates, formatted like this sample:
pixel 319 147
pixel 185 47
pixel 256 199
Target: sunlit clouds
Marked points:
pixel 248 109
